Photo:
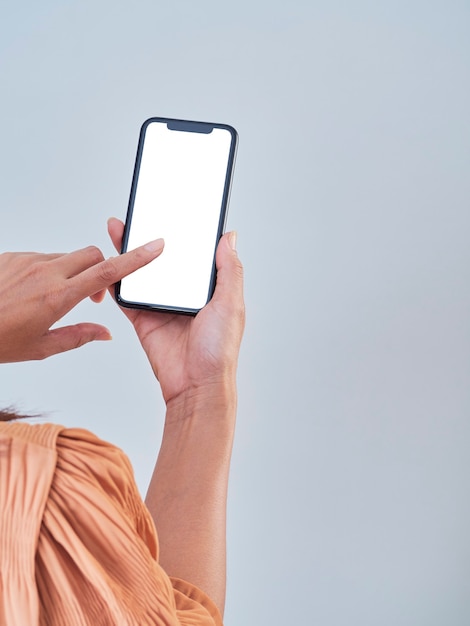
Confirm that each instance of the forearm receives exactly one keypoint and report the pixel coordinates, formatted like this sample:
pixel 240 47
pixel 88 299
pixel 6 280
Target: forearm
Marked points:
pixel 187 495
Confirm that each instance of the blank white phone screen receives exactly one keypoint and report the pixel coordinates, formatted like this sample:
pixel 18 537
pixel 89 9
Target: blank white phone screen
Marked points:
pixel 178 197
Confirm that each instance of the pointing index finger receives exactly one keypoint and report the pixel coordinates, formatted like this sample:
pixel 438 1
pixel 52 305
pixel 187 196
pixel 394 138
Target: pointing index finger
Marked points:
pixel 106 273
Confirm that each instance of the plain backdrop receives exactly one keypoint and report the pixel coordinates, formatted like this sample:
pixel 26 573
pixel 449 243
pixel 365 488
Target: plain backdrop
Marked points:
pixel 350 488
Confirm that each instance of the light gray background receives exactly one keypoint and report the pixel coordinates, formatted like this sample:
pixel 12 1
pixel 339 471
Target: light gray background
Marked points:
pixel 349 500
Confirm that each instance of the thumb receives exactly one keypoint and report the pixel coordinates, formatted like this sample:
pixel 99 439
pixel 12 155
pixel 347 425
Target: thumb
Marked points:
pixel 70 337
pixel 229 281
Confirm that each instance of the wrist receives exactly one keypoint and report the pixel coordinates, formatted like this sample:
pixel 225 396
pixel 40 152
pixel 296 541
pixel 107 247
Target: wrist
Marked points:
pixel 214 403
pixel 197 442
pixel 199 430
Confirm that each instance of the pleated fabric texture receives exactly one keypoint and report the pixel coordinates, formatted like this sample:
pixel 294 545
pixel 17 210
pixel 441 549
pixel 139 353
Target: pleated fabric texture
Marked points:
pixel 77 544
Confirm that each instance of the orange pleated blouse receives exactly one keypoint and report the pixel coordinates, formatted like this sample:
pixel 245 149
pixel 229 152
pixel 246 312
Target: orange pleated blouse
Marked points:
pixel 77 544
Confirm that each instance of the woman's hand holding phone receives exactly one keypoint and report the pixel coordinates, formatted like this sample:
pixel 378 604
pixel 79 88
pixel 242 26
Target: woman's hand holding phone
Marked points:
pixel 191 354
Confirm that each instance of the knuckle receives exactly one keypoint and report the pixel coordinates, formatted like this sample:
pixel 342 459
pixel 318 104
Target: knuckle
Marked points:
pixel 108 271
pixel 94 254
pixel 235 267
pixel 55 301
pixel 238 269
pixel 40 353
pixel 77 340
pixel 138 256
pixel 36 272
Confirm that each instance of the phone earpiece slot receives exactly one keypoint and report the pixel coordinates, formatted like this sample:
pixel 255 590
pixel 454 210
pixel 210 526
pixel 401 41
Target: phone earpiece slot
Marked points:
pixel 190 127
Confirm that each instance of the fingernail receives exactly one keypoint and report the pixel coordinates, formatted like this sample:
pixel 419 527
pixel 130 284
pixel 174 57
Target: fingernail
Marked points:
pixel 233 239
pixel 155 246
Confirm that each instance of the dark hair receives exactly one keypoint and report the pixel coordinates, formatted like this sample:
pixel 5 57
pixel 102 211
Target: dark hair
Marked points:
pixel 7 415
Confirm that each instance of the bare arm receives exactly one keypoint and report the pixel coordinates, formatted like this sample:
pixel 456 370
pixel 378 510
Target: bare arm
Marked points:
pixel 188 492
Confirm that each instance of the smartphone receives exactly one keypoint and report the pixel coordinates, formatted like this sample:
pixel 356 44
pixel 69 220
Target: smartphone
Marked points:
pixel 180 191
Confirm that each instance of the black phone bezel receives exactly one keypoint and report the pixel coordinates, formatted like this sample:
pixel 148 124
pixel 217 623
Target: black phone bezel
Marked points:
pixel 186 126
